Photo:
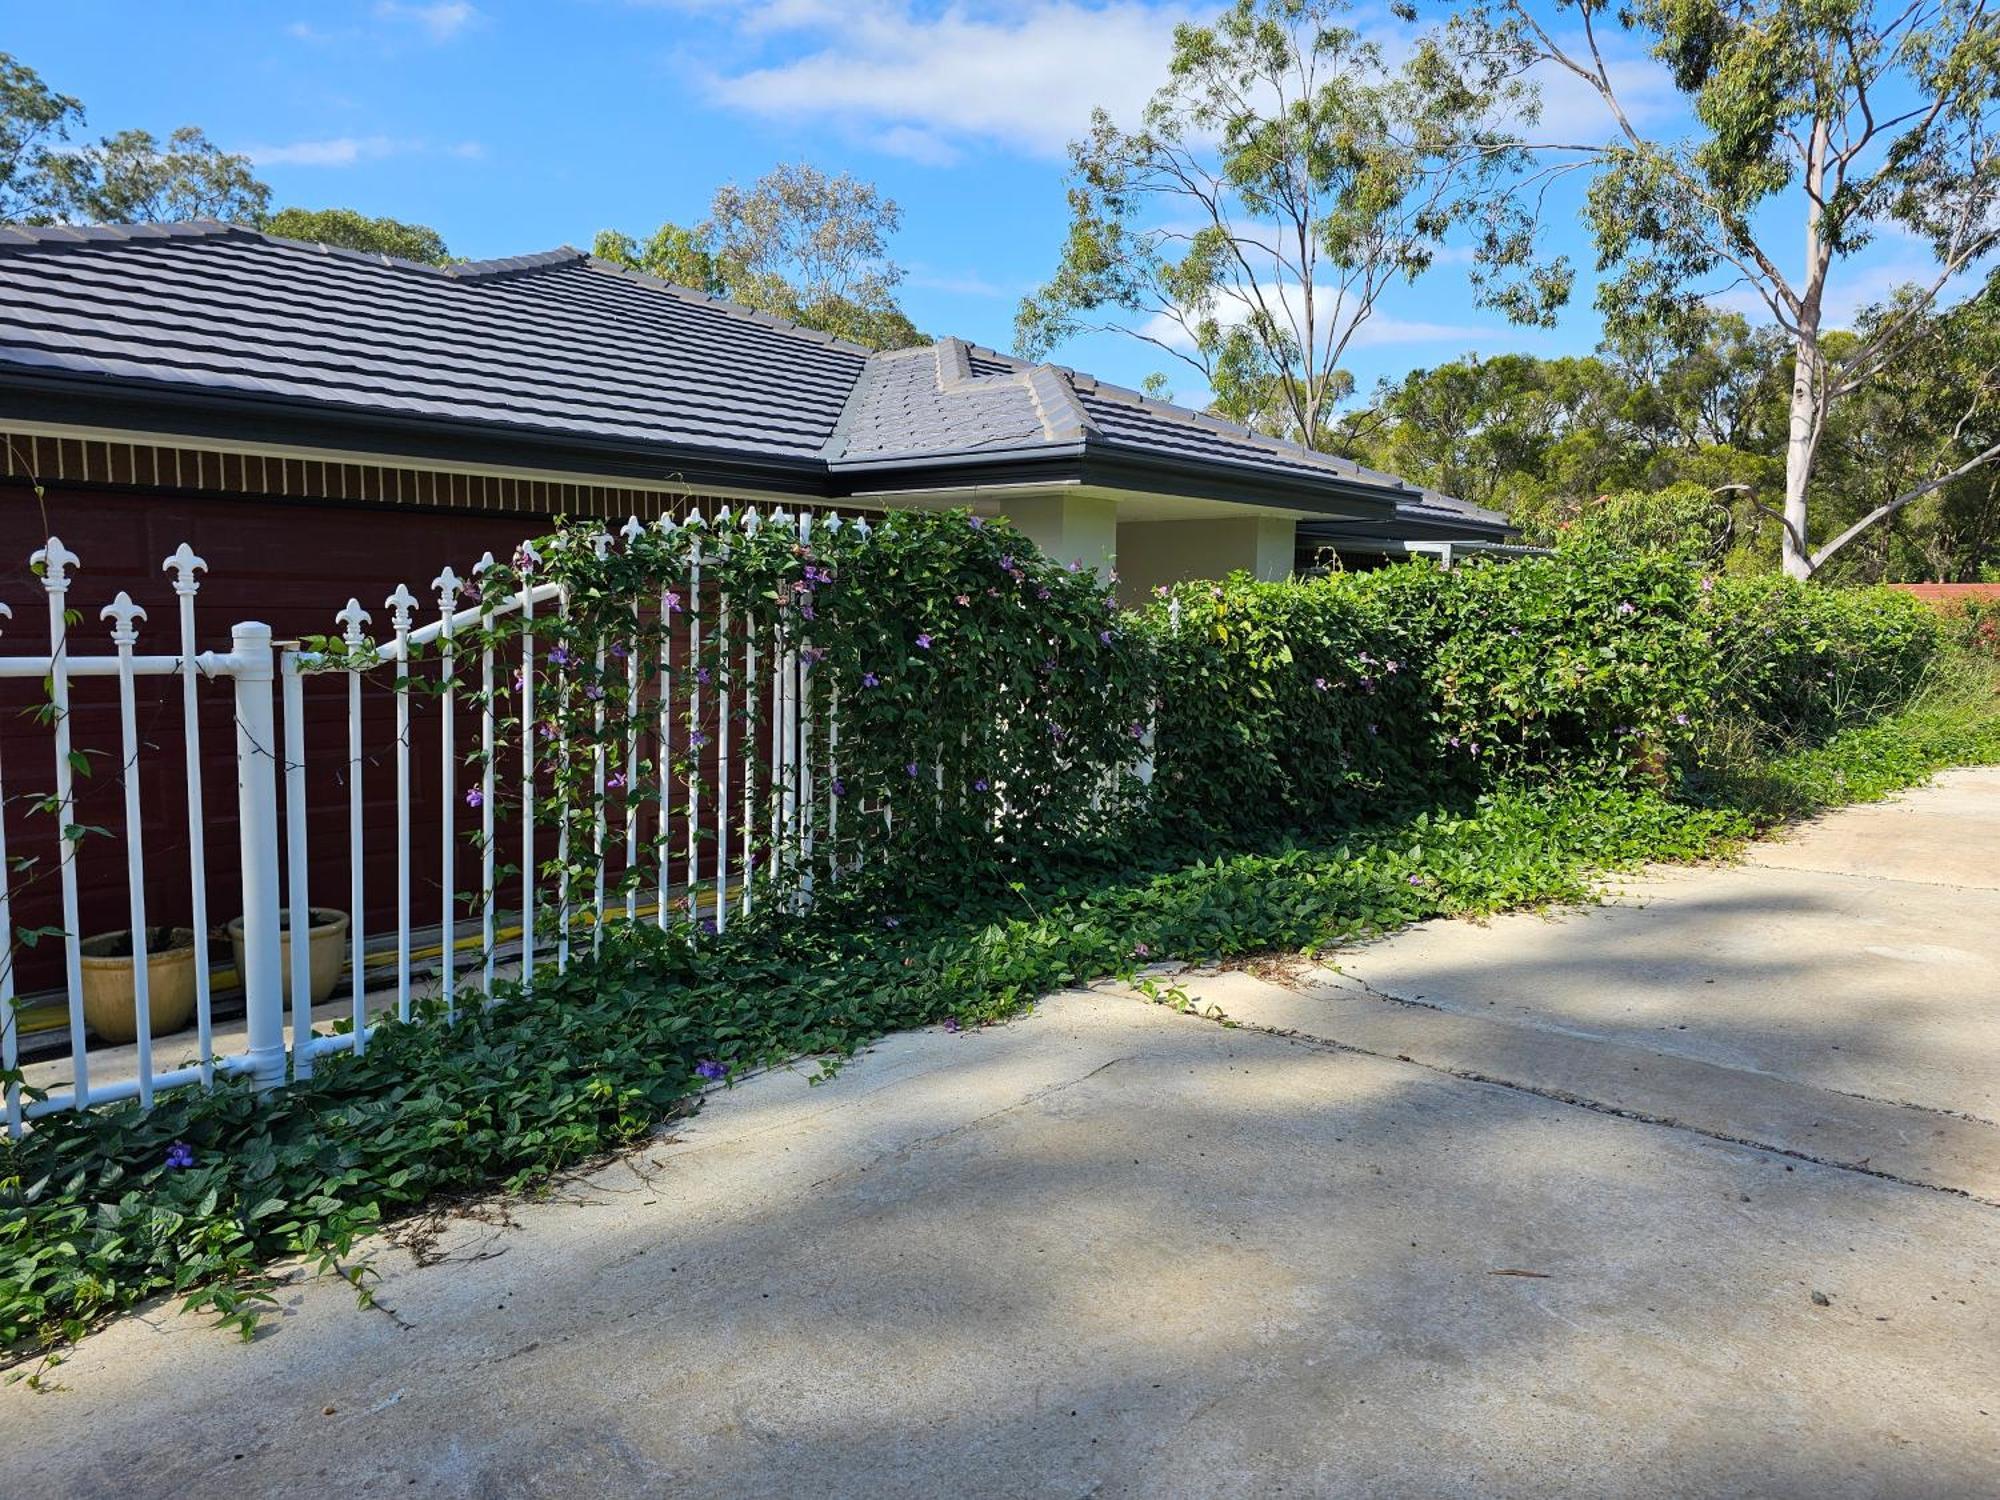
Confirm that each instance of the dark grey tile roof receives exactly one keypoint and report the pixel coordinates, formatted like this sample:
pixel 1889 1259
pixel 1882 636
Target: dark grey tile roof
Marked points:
pixel 557 341
pixel 922 402
pixel 565 345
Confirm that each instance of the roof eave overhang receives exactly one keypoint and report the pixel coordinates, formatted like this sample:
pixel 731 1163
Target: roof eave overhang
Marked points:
pixel 1101 467
pixel 1421 528
pixel 129 406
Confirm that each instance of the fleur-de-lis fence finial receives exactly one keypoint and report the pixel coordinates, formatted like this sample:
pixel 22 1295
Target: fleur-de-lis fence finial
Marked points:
pixel 353 617
pixel 54 562
pixel 402 607
pixel 449 586
pixel 123 614
pixel 183 565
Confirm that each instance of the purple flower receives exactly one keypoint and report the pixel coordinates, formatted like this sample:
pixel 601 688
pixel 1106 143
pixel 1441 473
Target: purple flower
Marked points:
pixel 910 769
pixel 1680 718
pixel 951 1024
pixel 1626 607
pixel 180 1155
pixel 559 657
pixel 1006 562
pixel 1041 593
pixel 474 797
pixel 1320 683
pixel 670 602
pixel 1453 742
pixel 547 730
pixel 979 785
pixel 709 1068
pixel 976 523
pixel 1057 732
pixel 615 781
pixel 1104 637
pixel 1076 565
pixel 519 680
pixel 924 641
pixel 707 926
pixel 892 922
pixel 1137 731
pixel 696 740
pixel 593 691
pixel 964 599
pixel 701 676
pixel 1390 666
pixel 869 679
pixel 839 787
pixel 1708 585
pixel 618 650
pixel 1416 880
pixel 1140 950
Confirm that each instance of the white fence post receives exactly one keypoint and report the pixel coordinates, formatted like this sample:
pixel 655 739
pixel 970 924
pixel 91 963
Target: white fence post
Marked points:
pixel 257 820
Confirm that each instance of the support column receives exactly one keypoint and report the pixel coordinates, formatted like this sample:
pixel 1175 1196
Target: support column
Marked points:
pixel 1069 528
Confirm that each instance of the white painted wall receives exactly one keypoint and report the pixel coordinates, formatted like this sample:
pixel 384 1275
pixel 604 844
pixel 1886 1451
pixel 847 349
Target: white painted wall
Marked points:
pixel 1155 552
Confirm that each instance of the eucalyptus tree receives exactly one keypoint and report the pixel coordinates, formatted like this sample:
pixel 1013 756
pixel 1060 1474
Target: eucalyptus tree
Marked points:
pixel 1814 127
pixel 34 122
pixel 1282 179
pixel 133 177
pixel 797 243
pixel 357 231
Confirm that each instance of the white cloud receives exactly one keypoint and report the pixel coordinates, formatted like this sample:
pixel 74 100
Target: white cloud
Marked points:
pixel 1381 329
pixel 349 151
pixel 1573 112
pixel 440 21
pixel 339 151
pixel 914 143
pixel 963 283
pixel 928 85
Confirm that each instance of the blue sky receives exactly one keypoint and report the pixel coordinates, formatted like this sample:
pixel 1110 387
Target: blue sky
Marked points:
pixel 516 127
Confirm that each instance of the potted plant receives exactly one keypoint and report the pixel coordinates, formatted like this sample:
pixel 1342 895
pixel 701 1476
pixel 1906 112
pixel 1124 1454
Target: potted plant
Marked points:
pixel 326 949
pixel 108 982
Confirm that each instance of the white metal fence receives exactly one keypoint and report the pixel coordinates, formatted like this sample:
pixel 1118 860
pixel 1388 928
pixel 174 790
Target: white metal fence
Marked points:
pixel 738 742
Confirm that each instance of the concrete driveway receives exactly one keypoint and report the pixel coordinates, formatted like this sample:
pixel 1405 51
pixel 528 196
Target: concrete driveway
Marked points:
pixel 1690 1195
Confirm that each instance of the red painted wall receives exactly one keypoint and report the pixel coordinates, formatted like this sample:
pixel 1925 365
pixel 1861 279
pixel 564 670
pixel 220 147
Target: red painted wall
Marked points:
pixel 292 565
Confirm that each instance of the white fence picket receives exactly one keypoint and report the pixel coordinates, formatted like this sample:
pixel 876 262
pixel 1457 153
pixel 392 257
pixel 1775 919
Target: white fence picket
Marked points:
pixel 787 797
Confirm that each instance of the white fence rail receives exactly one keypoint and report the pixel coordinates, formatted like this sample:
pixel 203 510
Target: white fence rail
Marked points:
pixel 725 776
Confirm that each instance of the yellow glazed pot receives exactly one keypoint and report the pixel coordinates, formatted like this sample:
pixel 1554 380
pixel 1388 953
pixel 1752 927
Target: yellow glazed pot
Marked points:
pixel 108 987
pixel 326 951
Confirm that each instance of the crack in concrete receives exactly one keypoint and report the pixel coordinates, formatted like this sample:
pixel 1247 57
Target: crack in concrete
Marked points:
pixel 1419 1003
pixel 1943 885
pixel 1594 1106
pixel 910 1147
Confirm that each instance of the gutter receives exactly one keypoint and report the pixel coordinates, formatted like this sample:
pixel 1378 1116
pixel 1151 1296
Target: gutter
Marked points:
pixel 146 407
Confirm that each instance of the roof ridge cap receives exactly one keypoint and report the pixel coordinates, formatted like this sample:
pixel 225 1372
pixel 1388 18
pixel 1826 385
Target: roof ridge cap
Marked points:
pixel 727 305
pixel 954 368
pixel 865 379
pixel 1173 411
pixel 1063 416
pixel 21 236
